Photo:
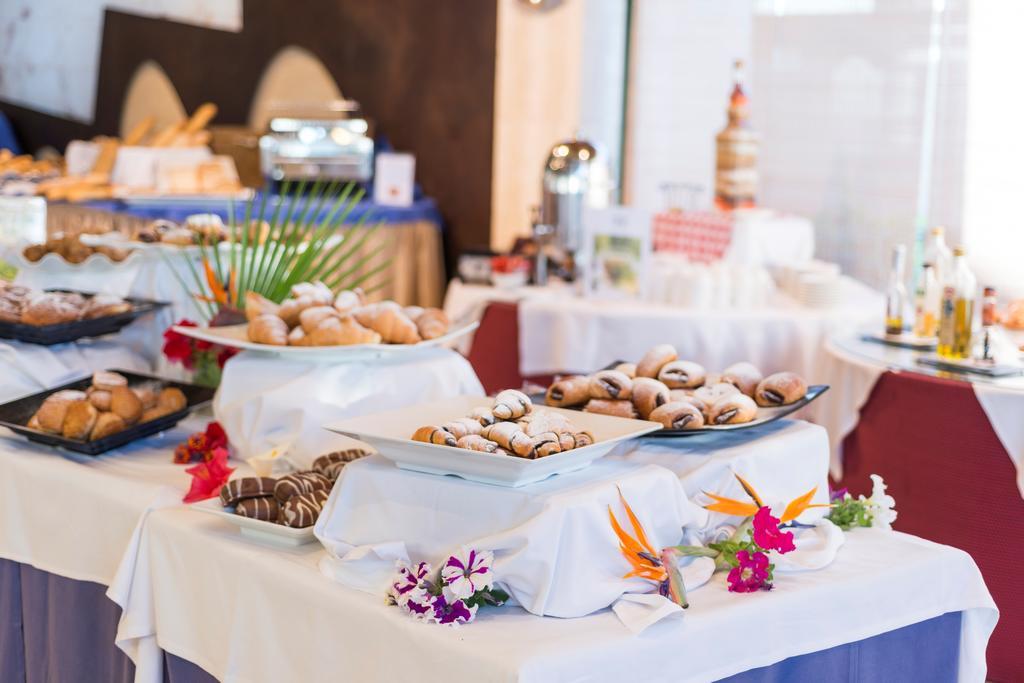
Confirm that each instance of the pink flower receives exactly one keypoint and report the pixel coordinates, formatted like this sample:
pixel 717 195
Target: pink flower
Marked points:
pixel 208 477
pixel 407 580
pixel 767 533
pixel 452 612
pixel 751 575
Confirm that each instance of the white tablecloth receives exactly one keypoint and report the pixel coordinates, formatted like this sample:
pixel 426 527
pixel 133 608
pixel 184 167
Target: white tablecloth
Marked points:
pixel 266 402
pixel 220 621
pixel 551 539
pixel 581 335
pixel 853 367
pixel 75 515
pixel 30 368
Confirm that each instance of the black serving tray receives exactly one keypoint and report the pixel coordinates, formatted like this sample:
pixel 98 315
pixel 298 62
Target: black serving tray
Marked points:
pixel 764 415
pixel 61 333
pixel 16 414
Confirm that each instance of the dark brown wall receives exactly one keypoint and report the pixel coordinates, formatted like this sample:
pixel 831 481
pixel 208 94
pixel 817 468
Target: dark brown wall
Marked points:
pixel 422 69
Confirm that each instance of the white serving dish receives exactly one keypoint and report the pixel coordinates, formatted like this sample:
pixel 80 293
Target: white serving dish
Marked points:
pixel 256 529
pixel 237 337
pixel 390 434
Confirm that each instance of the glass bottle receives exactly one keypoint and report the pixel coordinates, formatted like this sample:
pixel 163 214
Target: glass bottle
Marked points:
pixel 988 319
pixel 736 146
pixel 927 303
pixel 958 292
pixel 937 253
pixel 896 292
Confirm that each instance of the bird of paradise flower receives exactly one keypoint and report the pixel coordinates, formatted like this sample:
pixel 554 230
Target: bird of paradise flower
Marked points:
pixel 731 506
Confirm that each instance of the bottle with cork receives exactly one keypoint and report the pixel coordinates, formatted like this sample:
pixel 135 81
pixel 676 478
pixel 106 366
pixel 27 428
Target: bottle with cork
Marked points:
pixel 736 152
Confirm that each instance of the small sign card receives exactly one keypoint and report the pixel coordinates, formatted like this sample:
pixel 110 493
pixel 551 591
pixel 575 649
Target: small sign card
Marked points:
pixel 394 179
pixel 617 245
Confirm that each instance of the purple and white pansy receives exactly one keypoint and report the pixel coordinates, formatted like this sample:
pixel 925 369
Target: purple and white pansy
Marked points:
pixel 468 572
pixel 451 596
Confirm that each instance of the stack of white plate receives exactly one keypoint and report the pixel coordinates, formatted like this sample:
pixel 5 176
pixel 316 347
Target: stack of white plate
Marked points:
pixel 818 291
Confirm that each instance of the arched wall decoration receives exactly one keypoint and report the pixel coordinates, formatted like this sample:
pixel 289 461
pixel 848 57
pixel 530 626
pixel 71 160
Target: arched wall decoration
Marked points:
pixel 294 76
pixel 150 93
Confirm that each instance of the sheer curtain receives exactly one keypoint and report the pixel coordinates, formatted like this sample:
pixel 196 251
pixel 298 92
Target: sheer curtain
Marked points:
pixel 861 105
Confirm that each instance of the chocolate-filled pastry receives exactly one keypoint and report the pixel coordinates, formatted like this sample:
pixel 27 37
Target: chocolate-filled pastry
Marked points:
pixel 655 359
pixel 331 464
pixel 265 508
pixel 106 425
pixel 246 487
pixel 682 374
pixel 648 394
pixel 268 329
pixel 80 419
pixel 546 444
pixel 542 421
pixel 461 426
pixel 509 436
pixel 127 404
pixel 475 442
pixel 511 405
pixel 744 376
pixel 675 395
pixel 435 435
pixel 568 391
pixel 710 393
pixel 610 384
pixel 300 482
pixel 483 415
pixel 570 440
pixel 780 389
pixel 302 511
pixel 732 409
pixel 678 415
pixel 627 369
pixel 607 406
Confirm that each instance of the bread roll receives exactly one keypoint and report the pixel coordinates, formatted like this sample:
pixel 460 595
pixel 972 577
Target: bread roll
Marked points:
pixel 682 374
pixel 678 415
pixel 127 404
pixel 744 376
pixel 79 420
pixel 648 394
pixel 734 409
pixel 655 359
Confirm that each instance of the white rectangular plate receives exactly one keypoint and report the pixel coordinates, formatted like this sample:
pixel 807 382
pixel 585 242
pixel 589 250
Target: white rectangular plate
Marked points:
pixel 237 336
pixel 391 434
pixel 256 529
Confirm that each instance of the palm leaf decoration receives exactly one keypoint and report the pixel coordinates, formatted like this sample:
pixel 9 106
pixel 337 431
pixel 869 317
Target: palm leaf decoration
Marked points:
pixel 300 236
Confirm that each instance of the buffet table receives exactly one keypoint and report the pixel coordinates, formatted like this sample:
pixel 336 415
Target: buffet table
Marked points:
pixel 198 598
pixel 955 440
pixel 413 235
pixel 541 331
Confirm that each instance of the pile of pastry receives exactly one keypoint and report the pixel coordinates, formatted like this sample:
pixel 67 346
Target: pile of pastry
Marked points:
pixel 314 316
pixel 198 229
pixel 107 407
pixel 71 249
pixel 294 500
pixel 679 394
pixel 509 427
pixel 31 307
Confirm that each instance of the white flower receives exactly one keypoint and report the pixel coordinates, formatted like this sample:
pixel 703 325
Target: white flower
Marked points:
pixel 466 573
pixel 882 505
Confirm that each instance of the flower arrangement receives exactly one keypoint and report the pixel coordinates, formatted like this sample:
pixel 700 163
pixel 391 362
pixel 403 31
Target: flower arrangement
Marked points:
pixel 201 446
pixel 203 358
pixel 451 595
pixel 877 511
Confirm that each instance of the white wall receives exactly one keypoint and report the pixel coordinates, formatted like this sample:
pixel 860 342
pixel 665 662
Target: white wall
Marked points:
pixel 50 51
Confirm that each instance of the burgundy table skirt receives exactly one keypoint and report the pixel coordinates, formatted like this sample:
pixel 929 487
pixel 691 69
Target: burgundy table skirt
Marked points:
pixel 58 630
pixel 953 483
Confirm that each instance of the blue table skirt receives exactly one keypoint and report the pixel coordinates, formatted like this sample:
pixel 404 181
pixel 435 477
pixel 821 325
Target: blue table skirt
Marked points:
pixel 7 138
pixel 59 630
pixel 423 209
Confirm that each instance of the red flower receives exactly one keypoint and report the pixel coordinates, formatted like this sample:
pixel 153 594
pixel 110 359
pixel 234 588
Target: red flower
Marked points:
pixel 203 345
pixel 752 574
pixel 226 354
pixel 208 477
pixel 178 347
pixel 197 443
pixel 215 435
pixel 767 533
pixel 182 455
